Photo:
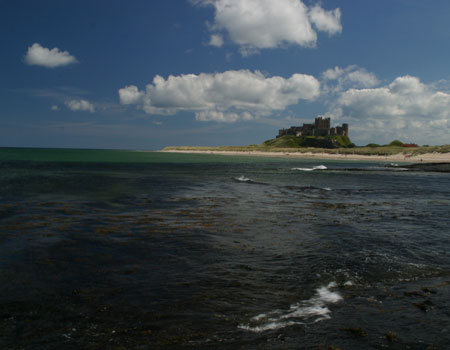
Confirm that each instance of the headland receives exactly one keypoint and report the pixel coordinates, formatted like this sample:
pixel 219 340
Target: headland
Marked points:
pixel 321 141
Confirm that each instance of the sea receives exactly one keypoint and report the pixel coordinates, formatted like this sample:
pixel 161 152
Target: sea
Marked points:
pixel 109 249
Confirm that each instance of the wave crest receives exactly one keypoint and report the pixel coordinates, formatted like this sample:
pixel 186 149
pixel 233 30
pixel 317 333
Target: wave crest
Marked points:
pixel 318 167
pixel 307 311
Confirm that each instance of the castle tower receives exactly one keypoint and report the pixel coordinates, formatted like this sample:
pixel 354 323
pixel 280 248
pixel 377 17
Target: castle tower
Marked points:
pixel 345 129
pixel 322 123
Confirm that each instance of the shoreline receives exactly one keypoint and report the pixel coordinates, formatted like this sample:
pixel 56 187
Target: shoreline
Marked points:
pixel 421 158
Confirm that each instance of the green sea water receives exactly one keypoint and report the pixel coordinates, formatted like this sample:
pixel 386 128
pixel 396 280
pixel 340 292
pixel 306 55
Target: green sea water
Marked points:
pixel 117 156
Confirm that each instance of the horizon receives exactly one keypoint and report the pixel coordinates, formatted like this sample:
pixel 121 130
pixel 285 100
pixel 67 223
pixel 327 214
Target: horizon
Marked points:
pixel 145 75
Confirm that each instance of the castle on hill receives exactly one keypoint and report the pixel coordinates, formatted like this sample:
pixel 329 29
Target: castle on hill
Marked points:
pixel 321 127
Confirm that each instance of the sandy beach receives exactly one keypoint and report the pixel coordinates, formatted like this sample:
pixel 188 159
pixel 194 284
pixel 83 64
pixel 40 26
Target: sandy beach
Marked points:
pixel 426 158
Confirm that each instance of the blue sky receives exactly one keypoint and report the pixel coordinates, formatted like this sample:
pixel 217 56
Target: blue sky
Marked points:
pixel 147 74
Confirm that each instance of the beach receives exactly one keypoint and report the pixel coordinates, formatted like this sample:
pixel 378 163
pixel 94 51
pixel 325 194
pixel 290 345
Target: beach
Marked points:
pixel 400 157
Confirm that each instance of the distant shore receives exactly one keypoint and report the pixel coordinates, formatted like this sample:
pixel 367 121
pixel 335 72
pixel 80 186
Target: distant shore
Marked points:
pixel 426 157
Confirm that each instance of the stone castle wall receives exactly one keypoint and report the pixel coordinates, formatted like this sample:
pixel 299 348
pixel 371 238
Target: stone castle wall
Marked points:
pixel 321 127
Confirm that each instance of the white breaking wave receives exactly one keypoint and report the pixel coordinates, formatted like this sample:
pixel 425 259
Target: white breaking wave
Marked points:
pixel 401 169
pixel 242 178
pixel 308 311
pixel 318 167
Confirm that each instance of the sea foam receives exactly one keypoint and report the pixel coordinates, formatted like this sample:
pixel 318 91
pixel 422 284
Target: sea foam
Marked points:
pixel 242 178
pixel 318 167
pixel 307 311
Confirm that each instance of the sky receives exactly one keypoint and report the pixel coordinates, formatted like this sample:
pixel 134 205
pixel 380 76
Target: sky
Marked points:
pixel 145 74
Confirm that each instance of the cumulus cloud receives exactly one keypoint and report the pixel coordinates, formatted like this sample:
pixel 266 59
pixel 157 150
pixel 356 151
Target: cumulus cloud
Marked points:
pixel 80 105
pixel 227 96
pixel 262 24
pixel 40 56
pixel 406 95
pixel 130 95
pixel 54 108
pixel 338 79
pixel 406 108
pixel 326 21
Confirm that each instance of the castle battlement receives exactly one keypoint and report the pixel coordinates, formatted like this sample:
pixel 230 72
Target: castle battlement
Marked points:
pixel 321 127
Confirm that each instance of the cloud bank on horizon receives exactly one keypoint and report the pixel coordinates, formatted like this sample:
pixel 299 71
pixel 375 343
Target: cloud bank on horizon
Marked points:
pixel 268 24
pixel 405 107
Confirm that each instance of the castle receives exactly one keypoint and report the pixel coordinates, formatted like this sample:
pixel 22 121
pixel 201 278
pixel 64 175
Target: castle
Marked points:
pixel 321 127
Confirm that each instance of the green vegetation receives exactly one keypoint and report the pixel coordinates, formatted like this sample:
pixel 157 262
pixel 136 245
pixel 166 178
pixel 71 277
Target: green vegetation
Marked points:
pixel 380 151
pixel 335 144
pixel 396 143
pixel 288 141
pixel 291 141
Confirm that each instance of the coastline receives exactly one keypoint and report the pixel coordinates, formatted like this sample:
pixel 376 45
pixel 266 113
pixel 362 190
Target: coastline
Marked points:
pixel 424 158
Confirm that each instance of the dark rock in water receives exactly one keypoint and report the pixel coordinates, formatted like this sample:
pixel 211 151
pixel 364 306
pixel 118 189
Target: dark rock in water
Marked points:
pixel 428 290
pixel 354 331
pixel 390 336
pixel 438 167
pixel 424 306
pixel 413 293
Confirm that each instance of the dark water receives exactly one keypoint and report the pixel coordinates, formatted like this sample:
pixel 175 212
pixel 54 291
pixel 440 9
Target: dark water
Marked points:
pixel 135 250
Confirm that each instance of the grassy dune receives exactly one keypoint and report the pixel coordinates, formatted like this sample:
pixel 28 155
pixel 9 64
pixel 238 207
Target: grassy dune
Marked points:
pixel 291 141
pixel 380 151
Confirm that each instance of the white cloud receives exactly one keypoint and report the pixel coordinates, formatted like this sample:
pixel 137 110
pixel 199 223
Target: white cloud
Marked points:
pixel 227 96
pixel 80 105
pixel 326 21
pixel 338 79
pixel 333 73
pixel 130 95
pixel 362 77
pixel 54 108
pixel 216 40
pixel 40 56
pixel 262 24
pixel 404 96
pixel 406 108
pixel 224 117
